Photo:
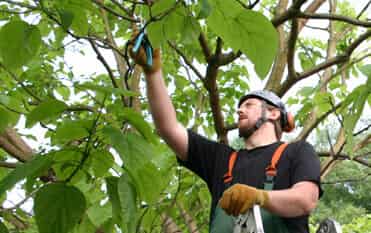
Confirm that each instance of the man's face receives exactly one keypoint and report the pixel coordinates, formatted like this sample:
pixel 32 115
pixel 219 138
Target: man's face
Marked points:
pixel 248 114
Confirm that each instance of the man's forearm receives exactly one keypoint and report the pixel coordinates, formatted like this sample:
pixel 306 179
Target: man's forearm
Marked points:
pixel 162 109
pixel 297 201
pixel 164 115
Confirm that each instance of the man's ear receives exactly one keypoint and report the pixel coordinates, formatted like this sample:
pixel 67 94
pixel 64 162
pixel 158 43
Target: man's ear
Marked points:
pixel 274 114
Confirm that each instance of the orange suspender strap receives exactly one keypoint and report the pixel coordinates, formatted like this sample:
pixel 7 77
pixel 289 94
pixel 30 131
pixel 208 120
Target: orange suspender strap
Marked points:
pixel 232 159
pixel 271 170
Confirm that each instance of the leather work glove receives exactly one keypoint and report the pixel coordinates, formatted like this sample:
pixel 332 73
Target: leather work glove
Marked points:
pixel 240 197
pixel 140 56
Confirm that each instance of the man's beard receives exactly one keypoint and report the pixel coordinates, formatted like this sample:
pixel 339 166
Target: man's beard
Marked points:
pixel 246 132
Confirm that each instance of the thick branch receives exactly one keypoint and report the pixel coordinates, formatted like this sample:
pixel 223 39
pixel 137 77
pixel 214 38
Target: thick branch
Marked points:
pixel 291 50
pixel 8 165
pixel 313 7
pixel 15 146
pixel 204 46
pixel 289 14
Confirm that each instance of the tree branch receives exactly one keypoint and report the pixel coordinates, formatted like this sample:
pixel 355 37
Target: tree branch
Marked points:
pixel 185 59
pixel 332 61
pixel 333 17
pixel 291 50
pixel 104 62
pixel 204 46
pixel 343 156
pixel 8 165
pixel 113 12
pixel 228 58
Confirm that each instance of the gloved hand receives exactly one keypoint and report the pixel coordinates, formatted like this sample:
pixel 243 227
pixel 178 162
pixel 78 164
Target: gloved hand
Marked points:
pixel 140 56
pixel 239 198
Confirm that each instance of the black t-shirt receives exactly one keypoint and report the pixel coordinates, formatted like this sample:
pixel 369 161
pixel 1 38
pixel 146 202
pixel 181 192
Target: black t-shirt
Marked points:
pixel 209 160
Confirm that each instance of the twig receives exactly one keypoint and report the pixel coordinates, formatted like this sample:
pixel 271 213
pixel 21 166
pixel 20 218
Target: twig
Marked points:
pixel 20 83
pixel 115 13
pixel 104 62
pixel 185 59
pixel 362 130
pixel 121 7
pixel 334 17
pixel 363 10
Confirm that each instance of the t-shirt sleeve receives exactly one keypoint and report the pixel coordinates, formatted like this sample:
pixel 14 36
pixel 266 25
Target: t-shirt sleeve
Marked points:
pixel 204 156
pixel 306 165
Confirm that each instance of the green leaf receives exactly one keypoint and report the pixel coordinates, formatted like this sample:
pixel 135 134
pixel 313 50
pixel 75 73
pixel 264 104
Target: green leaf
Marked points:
pixel 102 161
pixel 306 91
pixel 64 92
pixel 205 9
pixel 46 110
pixel 35 166
pixel 11 102
pixel 98 214
pixel 137 154
pixel 136 120
pixel 304 61
pixel 366 70
pixel 161 31
pixel 71 130
pixel 106 90
pixel 245 30
pixel 7 119
pixel 58 208
pixel 354 105
pixel 3 228
pixel 114 198
pixel 73 15
pixel 190 30
pixel 19 43
pixel 66 18
pixel 128 200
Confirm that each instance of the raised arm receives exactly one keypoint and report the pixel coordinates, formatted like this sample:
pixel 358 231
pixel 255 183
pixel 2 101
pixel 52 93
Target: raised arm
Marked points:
pixel 162 109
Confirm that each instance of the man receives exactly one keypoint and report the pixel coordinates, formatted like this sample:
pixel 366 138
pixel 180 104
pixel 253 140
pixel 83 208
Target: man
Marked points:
pixel 262 118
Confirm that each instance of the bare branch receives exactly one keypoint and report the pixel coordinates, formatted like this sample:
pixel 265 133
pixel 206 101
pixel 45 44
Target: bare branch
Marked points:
pixel 332 61
pixel 291 50
pixel 204 46
pixel 185 59
pixel 228 58
pixel 334 17
pixel 101 5
pixel 362 130
pixel 8 165
pixel 104 62
pixel 343 156
pixel 363 10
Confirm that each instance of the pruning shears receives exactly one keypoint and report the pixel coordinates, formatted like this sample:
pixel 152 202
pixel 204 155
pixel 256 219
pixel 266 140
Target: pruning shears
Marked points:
pixel 251 222
pixel 142 40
